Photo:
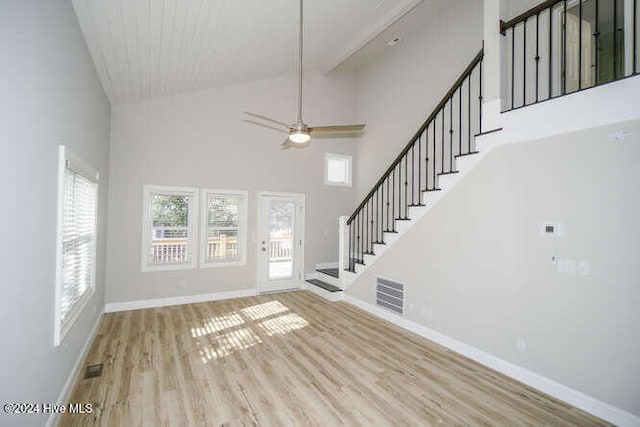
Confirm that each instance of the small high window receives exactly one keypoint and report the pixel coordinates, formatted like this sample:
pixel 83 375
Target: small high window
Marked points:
pixel 337 169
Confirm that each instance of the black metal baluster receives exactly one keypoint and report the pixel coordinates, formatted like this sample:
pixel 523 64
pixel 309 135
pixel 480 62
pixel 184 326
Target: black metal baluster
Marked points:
pixel 371 220
pixel 469 118
pixel 615 39
pixel 399 190
pixel 387 203
pixel 513 68
pixel 366 228
pixel 537 53
pixel 596 36
pixel 361 220
pixel 435 158
pixel 406 187
pixel 551 52
pixel 442 144
pixel 420 170
pixel 460 120
pixel 357 252
pixel 564 50
pixel 426 158
pixel 393 200
pixel 635 37
pixel 580 45
pixel 413 174
pixel 451 134
pixel 480 98
pixel 378 215
pixel 524 62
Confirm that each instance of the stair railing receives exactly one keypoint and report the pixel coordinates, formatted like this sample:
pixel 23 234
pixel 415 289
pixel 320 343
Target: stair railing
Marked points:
pixel 447 133
pixel 563 46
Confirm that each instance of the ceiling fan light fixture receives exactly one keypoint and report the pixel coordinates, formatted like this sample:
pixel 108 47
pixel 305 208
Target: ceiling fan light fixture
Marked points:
pixel 299 136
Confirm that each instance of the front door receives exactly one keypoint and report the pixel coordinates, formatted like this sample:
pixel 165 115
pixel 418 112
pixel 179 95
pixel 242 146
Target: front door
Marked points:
pixel 280 241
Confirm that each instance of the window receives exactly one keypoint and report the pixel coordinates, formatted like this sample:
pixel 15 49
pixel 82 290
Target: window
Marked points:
pixel 223 239
pixel 168 228
pixel 337 170
pixel 76 240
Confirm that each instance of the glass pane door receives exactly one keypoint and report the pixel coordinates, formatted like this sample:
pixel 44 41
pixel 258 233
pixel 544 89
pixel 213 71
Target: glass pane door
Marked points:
pixel 281 232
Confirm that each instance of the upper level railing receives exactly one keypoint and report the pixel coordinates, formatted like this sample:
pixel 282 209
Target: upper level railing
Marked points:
pixel 447 133
pixel 564 46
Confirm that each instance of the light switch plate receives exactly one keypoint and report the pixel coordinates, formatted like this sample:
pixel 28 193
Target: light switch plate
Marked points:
pixel 584 268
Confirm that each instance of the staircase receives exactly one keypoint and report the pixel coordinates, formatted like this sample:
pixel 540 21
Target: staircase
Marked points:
pixel 326 283
pixel 438 155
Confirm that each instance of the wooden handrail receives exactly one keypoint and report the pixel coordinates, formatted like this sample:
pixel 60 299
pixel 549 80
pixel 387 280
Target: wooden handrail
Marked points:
pixel 504 26
pixel 424 126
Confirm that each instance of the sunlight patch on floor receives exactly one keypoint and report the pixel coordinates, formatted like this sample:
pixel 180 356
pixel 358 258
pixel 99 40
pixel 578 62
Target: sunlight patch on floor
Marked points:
pixel 284 324
pixel 216 324
pixel 263 310
pixel 224 335
pixel 229 343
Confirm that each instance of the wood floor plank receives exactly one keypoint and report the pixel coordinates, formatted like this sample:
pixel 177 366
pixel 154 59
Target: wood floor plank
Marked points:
pixel 292 359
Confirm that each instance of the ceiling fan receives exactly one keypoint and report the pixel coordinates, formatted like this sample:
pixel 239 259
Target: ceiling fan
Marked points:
pixel 299 132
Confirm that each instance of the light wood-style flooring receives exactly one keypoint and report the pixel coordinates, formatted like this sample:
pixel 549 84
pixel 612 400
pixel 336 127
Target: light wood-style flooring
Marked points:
pixel 292 359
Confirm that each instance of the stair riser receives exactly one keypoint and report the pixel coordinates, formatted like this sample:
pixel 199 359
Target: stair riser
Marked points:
pixel 324 277
pixel 331 296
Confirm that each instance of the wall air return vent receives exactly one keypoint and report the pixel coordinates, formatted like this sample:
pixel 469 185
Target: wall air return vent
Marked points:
pixel 390 295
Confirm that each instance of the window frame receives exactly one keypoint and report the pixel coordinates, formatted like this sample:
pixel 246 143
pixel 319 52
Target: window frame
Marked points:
pixel 243 225
pixel 331 156
pixel 79 166
pixel 148 190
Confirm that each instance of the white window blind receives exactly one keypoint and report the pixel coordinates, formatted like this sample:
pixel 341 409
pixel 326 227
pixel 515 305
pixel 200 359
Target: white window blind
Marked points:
pixel 169 228
pixel 224 219
pixel 78 200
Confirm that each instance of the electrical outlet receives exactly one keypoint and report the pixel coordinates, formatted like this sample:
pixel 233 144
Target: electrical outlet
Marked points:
pixel 427 311
pixel 553 259
pixel 618 136
pixel 521 345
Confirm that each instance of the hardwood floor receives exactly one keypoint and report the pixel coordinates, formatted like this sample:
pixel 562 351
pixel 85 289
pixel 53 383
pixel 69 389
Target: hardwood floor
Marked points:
pixel 292 359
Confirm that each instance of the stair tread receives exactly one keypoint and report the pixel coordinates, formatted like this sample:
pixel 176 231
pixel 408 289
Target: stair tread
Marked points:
pixel 324 285
pixel 470 153
pixel 333 272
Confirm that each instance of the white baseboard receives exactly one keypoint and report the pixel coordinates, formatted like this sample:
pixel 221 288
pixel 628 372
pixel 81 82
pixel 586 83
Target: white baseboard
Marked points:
pixel 68 385
pixel 188 299
pixel 573 397
pixel 323 265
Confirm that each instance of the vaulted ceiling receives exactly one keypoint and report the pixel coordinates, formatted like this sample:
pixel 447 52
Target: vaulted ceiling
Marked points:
pixel 149 48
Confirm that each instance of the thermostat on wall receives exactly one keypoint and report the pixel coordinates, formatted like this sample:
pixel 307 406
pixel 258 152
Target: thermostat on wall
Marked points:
pixel 552 229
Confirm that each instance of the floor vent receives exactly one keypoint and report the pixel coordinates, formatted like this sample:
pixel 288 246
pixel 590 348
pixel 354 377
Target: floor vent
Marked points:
pixel 390 295
pixel 93 371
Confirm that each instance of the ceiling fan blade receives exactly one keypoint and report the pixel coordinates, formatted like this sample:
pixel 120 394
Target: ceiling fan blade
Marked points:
pixel 265 126
pixel 340 128
pixel 267 119
pixel 285 145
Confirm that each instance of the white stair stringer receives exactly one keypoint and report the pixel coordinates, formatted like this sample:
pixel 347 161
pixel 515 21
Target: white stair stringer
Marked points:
pixel 464 165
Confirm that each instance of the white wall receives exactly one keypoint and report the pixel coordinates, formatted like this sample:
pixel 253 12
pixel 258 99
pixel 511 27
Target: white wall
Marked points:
pixel 398 91
pixel 49 94
pixel 199 139
pixel 477 270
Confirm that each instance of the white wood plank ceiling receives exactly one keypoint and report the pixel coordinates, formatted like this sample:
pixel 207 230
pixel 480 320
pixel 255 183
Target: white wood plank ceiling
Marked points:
pixel 150 48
